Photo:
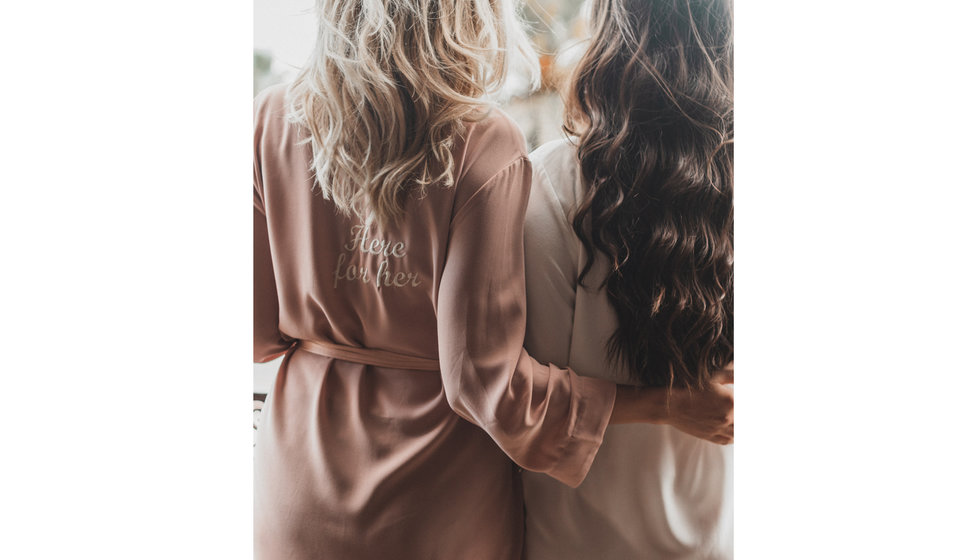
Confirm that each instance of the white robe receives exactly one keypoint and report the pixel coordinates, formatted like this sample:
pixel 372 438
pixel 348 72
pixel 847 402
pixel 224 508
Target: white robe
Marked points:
pixel 653 492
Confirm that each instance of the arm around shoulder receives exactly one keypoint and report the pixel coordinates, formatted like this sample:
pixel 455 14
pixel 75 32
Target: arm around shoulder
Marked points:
pixel 545 418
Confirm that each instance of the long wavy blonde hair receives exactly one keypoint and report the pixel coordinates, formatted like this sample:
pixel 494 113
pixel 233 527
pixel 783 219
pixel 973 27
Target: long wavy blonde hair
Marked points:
pixel 389 86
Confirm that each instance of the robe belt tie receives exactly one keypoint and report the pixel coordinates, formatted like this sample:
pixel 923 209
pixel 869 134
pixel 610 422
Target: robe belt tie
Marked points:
pixel 368 356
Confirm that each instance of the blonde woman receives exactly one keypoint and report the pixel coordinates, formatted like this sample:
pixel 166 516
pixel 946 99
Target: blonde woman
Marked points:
pixel 389 210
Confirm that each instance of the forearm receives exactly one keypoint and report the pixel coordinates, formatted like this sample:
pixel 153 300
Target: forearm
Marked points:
pixel 639 405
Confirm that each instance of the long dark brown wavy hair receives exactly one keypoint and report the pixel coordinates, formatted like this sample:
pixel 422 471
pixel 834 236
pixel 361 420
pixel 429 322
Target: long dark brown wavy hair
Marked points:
pixel 651 103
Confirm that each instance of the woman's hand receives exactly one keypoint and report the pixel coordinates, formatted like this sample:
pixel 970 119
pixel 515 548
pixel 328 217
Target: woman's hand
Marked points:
pixel 707 413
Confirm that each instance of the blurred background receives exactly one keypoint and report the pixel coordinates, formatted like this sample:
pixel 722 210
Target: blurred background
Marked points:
pixel 285 31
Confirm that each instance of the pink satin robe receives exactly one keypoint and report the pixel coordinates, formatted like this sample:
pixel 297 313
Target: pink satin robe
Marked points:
pixel 397 429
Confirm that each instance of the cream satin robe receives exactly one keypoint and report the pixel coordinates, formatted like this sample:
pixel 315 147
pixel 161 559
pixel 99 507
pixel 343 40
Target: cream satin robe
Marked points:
pixel 653 492
pixel 405 392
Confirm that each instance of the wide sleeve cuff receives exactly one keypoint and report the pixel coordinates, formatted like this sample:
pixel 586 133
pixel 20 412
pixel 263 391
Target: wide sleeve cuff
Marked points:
pixel 592 406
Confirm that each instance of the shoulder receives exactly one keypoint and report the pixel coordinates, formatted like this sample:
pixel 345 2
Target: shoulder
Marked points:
pixel 492 147
pixel 556 160
pixel 557 153
pixel 556 176
pixel 279 145
pixel 498 136
pixel 275 134
pixel 270 103
pixel 270 115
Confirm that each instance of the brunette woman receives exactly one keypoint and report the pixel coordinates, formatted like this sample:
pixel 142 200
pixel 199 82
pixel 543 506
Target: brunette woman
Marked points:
pixel 629 263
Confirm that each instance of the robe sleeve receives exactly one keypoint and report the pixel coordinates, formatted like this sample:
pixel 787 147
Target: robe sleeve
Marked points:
pixel 546 419
pixel 267 342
